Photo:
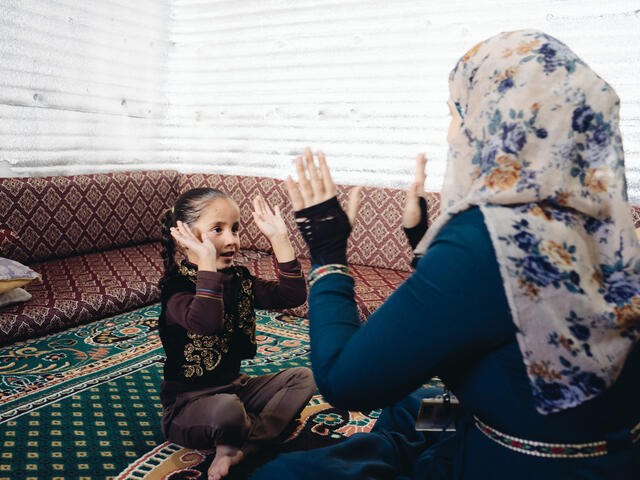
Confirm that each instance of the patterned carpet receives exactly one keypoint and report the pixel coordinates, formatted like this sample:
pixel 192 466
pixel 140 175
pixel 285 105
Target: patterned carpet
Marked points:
pixel 84 403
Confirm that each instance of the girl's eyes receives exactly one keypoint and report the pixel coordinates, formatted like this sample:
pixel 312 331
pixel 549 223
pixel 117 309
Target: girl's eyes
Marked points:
pixel 234 229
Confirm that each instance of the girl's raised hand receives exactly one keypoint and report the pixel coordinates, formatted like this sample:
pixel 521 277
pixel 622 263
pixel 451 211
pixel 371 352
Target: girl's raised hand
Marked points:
pixel 203 251
pixel 315 185
pixel 412 213
pixel 270 223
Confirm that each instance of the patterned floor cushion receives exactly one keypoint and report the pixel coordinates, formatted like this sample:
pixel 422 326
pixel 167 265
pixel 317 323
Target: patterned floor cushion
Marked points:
pixel 84 288
pixel 373 284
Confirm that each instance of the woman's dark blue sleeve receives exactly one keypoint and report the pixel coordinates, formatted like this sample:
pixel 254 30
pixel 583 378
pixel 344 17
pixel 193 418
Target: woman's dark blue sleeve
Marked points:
pixel 451 311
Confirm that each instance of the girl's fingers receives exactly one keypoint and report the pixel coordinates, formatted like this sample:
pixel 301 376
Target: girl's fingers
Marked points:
pixel 182 228
pixel 329 186
pixel 257 217
pixel 353 203
pixel 294 194
pixel 258 205
pixel 188 232
pixel 266 209
pixel 179 238
pixel 207 242
pixel 276 210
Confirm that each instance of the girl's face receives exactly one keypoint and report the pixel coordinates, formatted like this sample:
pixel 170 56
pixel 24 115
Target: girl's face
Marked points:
pixel 220 221
pixel 456 121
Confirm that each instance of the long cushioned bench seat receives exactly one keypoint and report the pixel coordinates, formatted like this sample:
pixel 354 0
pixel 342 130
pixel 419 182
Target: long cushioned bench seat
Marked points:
pixel 95 241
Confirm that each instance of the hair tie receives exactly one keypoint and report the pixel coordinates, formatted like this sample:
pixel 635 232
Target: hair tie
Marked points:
pixel 173 209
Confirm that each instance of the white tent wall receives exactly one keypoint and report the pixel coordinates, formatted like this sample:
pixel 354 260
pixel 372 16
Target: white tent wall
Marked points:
pixel 82 85
pixel 242 86
pixel 253 82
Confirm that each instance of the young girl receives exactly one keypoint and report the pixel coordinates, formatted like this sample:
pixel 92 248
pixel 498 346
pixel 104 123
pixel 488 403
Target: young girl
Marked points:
pixel 207 326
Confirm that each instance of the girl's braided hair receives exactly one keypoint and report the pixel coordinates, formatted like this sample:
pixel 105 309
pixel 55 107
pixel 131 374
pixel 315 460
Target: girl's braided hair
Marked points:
pixel 187 209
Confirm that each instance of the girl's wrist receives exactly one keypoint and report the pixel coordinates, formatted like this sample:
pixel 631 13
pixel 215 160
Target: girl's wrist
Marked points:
pixel 207 266
pixel 282 248
pixel 279 237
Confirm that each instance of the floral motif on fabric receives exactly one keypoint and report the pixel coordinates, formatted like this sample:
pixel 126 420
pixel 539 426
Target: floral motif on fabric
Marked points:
pixel 204 353
pixel 540 151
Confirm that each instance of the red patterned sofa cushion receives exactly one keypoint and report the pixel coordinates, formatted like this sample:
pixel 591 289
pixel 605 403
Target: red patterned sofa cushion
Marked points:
pixel 80 289
pixel 54 217
pixel 372 284
pixel 635 211
pixel 377 239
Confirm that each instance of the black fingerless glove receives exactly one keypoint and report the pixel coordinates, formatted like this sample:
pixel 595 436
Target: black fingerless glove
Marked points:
pixel 325 227
pixel 415 234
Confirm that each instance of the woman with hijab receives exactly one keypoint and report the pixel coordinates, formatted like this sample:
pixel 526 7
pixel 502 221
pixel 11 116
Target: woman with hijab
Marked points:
pixel 525 299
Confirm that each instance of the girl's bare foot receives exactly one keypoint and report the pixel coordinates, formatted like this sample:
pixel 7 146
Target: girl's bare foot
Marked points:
pixel 226 456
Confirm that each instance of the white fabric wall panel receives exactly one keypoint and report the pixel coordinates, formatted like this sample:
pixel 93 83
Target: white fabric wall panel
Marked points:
pixel 82 85
pixel 252 82
pixel 242 86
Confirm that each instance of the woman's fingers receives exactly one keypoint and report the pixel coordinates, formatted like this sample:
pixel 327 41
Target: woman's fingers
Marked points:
pixel 412 191
pixel 353 203
pixel 305 185
pixel 420 175
pixel 329 186
pixel 316 181
pixel 297 201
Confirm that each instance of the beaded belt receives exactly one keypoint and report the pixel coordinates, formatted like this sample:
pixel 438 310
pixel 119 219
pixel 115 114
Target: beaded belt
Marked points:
pixel 332 268
pixel 554 450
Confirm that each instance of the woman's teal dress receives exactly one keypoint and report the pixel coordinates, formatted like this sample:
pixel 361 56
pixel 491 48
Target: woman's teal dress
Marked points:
pixel 449 319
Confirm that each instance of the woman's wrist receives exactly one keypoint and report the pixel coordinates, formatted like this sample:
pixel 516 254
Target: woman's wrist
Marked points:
pixel 415 233
pixel 325 228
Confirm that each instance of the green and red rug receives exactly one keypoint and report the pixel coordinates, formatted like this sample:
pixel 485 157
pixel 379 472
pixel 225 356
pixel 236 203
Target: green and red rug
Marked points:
pixel 84 403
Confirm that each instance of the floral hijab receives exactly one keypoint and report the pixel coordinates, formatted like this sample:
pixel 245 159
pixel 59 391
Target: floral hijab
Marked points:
pixel 540 152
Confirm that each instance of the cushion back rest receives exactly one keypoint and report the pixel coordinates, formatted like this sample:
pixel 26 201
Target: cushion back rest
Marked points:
pixel 635 212
pixel 53 217
pixel 377 238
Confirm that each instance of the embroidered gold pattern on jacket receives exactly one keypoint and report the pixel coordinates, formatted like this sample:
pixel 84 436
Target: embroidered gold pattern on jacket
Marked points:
pixel 246 314
pixel 204 353
pixel 190 273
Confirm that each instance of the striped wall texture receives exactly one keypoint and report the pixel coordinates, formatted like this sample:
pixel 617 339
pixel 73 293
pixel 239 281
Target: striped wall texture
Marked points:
pixel 242 86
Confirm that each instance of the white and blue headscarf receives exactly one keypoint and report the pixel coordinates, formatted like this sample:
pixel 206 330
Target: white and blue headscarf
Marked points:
pixel 540 152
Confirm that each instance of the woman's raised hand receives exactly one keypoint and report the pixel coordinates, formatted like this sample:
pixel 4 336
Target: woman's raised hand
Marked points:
pixel 315 185
pixel 412 213
pixel 202 251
